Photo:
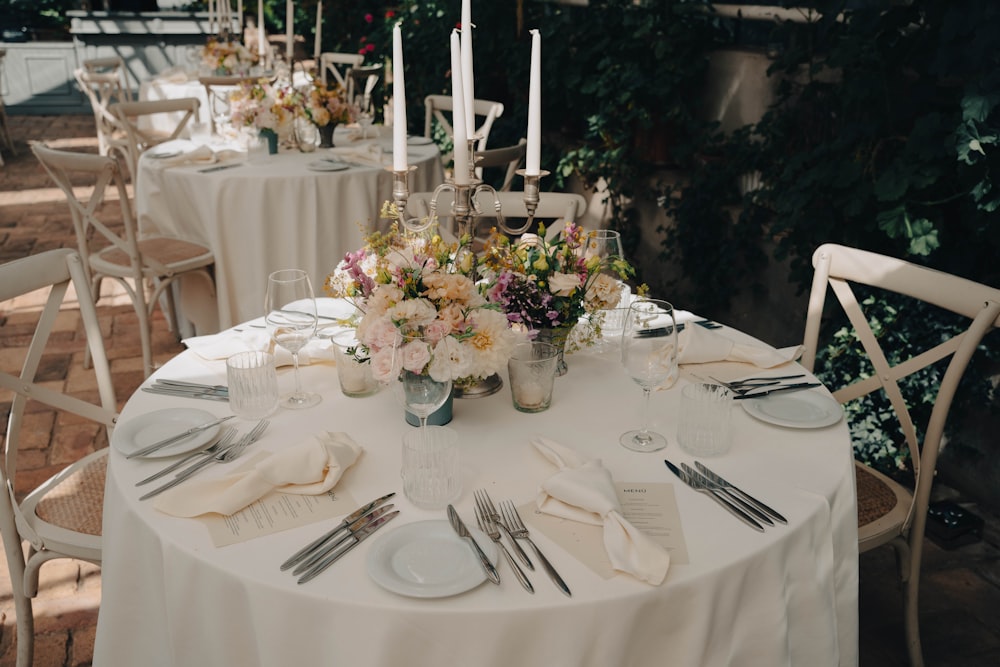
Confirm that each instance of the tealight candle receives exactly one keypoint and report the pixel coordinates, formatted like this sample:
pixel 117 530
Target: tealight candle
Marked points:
pixel 530 394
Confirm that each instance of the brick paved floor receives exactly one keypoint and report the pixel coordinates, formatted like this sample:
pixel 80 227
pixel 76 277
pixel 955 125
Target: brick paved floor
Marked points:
pixel 960 592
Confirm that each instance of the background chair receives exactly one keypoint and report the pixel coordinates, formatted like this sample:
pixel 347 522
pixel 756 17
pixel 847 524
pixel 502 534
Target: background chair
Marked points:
pixel 435 107
pixel 4 129
pixel 124 257
pixel 888 512
pixel 508 158
pixel 139 137
pixel 61 518
pixel 338 65
pixel 105 81
pixel 217 91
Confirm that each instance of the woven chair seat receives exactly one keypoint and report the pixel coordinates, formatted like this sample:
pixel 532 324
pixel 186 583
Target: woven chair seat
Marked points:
pixel 164 250
pixel 875 497
pixel 76 502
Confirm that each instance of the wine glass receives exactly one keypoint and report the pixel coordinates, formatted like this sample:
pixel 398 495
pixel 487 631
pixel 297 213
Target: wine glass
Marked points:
pixel 649 356
pixel 412 382
pixel 290 309
pixel 606 244
pixel 364 111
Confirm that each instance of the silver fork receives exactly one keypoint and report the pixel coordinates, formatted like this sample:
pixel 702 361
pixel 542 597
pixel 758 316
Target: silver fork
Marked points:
pixel 219 445
pixel 485 505
pixel 512 520
pixel 227 454
pixel 489 526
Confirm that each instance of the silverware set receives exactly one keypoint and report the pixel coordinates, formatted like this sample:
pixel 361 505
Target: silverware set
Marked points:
pixel 737 502
pixel 215 392
pixel 209 456
pixel 508 522
pixel 321 553
pixel 764 386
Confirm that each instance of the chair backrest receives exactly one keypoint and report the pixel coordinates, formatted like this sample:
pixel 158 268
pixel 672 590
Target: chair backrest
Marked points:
pixel 435 107
pixel 837 267
pixel 362 79
pixel 104 81
pixel 217 91
pixel 65 168
pixel 140 136
pixel 552 206
pixel 58 270
pixel 508 157
pixel 338 65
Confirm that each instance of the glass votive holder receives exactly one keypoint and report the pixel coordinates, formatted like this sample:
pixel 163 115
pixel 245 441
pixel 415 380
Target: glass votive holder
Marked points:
pixel 253 384
pixel 354 373
pixel 531 371
pixel 704 422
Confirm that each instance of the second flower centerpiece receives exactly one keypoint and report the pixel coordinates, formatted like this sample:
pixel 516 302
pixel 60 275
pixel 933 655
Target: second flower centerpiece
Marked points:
pixel 326 106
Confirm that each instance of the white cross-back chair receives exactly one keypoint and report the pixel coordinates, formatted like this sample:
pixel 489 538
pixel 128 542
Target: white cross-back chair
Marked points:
pixel 105 82
pixel 123 256
pixel 61 518
pixel 888 512
pixel 337 66
pixel 142 136
pixel 507 158
pixel 553 207
pixel 438 109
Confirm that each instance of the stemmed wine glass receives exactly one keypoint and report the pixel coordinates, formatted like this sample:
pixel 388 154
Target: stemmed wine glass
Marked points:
pixel 649 356
pixel 412 382
pixel 290 309
pixel 606 244
pixel 363 108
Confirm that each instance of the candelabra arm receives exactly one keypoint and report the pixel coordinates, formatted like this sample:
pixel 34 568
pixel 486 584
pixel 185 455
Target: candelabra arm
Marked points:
pixel 531 194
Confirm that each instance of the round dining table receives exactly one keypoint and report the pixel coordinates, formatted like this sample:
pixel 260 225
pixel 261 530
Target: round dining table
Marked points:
pixel 288 210
pixel 732 595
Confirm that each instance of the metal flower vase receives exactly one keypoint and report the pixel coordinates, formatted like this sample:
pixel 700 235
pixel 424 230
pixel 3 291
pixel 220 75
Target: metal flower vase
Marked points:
pixel 326 135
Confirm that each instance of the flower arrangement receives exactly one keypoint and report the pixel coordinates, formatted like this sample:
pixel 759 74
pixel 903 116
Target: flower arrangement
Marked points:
pixel 227 57
pixel 327 104
pixel 264 105
pixel 543 284
pixel 411 291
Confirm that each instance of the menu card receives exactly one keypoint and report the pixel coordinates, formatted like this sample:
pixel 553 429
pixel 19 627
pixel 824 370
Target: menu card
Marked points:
pixel 650 507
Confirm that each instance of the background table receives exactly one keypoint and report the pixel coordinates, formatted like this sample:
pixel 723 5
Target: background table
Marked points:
pixel 784 597
pixel 273 214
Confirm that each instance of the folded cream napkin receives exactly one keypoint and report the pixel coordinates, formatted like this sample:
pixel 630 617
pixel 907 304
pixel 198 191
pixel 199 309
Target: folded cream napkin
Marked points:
pixel 172 75
pixel 583 491
pixel 197 154
pixel 227 343
pixel 310 467
pixel 698 345
pixel 369 155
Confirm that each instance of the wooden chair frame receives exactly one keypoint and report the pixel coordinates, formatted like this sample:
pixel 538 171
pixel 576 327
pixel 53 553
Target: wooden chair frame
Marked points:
pixel 901 525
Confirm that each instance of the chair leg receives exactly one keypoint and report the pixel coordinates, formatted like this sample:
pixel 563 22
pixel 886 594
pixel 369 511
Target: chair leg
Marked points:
pixel 22 603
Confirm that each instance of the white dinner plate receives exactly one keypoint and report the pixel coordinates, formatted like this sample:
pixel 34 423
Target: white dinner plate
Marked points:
pixel 427 559
pixel 151 427
pixel 800 409
pixel 160 155
pixel 327 165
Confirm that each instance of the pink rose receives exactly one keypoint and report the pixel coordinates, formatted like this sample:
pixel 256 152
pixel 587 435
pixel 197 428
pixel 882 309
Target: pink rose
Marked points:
pixel 415 355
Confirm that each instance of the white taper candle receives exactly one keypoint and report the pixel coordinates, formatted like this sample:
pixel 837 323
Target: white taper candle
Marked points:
pixel 468 80
pixel 460 134
pixel 398 102
pixel 533 159
pixel 289 30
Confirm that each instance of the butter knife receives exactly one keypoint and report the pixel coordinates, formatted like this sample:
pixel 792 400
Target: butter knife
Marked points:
pixel 327 547
pixel 176 438
pixel 459 527
pixel 719 480
pixel 712 486
pixel 728 505
pixel 356 538
pixel 774 390
pixel 186 393
pixel 340 529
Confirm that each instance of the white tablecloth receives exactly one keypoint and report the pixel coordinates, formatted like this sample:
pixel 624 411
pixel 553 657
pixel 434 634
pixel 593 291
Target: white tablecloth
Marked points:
pixel 784 597
pixel 274 214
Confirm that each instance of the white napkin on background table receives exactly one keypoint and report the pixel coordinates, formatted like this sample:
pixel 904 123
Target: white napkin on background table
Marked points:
pixel 698 345
pixel 583 490
pixel 227 343
pixel 368 154
pixel 311 467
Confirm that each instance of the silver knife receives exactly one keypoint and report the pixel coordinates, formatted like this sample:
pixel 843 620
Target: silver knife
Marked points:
pixel 176 438
pixel 729 506
pixel 325 549
pixel 785 387
pixel 719 480
pixel 356 538
pixel 742 504
pixel 185 393
pixel 217 388
pixel 459 527
pixel 340 528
